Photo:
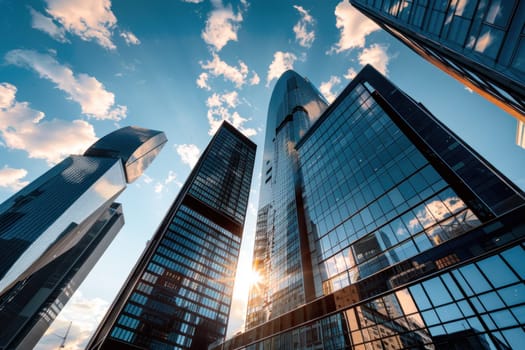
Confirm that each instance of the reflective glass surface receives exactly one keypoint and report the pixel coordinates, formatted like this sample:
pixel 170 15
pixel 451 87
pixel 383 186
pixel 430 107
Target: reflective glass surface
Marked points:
pixel 179 294
pixel 372 198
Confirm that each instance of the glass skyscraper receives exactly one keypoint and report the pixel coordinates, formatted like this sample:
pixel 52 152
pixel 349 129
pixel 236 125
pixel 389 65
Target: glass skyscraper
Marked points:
pixel 414 241
pixel 54 230
pixel 178 296
pixel 481 43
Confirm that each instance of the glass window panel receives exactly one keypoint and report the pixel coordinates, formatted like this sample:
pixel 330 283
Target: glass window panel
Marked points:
pixel 449 312
pixel 475 324
pixel 489 41
pixel 519 313
pixel 513 295
pixel 420 297
pixel 399 229
pixel 452 287
pixel 499 12
pixel 430 317
pixel 422 242
pixel 503 318
pixel 519 58
pixel 491 301
pixel 437 292
pixel 515 337
pixel 455 327
pixel 465 308
pixel 497 271
pixel 516 258
pixel 475 279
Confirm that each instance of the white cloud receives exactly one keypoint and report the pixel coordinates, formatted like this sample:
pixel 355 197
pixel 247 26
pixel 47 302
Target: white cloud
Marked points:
pixel 46 24
pixel 217 67
pixel 147 179
pixel 218 111
pixel 85 314
pixel 304 34
pixel 189 154
pixel 11 178
pixel 158 187
pixel 222 26
pixel 469 89
pixel 216 100
pixel 327 86
pixel 172 177
pixel 377 56
pixel 350 73
pixel 231 99
pixel 282 61
pixel 354 27
pixel 202 81
pixel 217 115
pixel 24 128
pixel 193 1
pixel 129 38
pixel 95 101
pixel 90 20
pixel 255 79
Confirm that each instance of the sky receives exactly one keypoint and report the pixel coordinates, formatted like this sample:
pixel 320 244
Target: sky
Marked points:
pixel 72 71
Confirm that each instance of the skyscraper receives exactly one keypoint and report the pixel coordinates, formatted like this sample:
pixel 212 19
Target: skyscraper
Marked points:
pixel 54 230
pixel 178 295
pixel 414 240
pixel 480 43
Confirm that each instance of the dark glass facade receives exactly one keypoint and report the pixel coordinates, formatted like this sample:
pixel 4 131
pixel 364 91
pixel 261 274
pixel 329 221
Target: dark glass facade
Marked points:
pixel 412 234
pixel 53 231
pixel 178 296
pixel 479 42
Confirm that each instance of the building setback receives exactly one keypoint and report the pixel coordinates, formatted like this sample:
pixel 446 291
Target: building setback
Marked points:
pixel 178 295
pixel 481 43
pixel 414 240
pixel 53 231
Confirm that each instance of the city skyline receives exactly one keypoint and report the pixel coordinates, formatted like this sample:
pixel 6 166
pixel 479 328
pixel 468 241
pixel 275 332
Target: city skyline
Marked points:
pixel 160 81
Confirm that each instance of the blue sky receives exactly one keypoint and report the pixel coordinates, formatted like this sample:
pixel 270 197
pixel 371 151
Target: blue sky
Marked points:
pixel 73 70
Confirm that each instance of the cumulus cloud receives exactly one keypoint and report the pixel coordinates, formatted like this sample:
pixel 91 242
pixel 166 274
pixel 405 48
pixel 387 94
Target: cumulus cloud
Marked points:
pixel 90 20
pixel 217 115
pixel 217 67
pixel 304 34
pixel 219 109
pixel 47 25
pixel 327 86
pixel 282 61
pixel 11 178
pixel 86 313
pixel 189 154
pixel 172 177
pixel 95 101
pixel 129 38
pixel 221 26
pixel 202 81
pixel 24 128
pixel 377 56
pixel 350 73
pixel 353 26
pixel 255 79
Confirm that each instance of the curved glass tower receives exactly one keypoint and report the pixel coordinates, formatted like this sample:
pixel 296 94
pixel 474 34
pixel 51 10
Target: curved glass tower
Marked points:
pixel 288 278
pixel 54 230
